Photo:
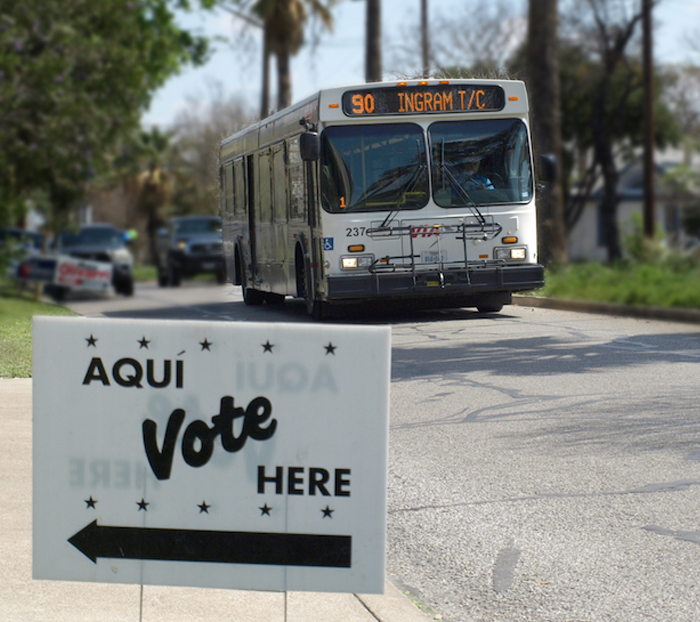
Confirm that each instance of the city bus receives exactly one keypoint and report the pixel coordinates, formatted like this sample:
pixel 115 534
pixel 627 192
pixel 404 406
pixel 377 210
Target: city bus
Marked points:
pixel 417 190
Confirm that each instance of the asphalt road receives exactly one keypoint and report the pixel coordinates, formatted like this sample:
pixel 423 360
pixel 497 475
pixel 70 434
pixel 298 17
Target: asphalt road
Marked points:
pixel 544 464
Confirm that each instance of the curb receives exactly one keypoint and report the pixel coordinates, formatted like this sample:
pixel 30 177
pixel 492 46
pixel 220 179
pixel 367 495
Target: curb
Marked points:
pixel 669 314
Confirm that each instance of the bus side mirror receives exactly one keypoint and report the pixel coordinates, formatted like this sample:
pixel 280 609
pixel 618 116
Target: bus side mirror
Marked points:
pixel 548 167
pixel 310 146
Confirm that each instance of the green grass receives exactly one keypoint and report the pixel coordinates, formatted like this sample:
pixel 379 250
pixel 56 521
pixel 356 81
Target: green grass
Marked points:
pixel 17 308
pixel 669 283
pixel 144 272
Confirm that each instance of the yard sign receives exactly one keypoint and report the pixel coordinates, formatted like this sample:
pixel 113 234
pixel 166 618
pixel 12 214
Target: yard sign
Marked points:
pixel 210 454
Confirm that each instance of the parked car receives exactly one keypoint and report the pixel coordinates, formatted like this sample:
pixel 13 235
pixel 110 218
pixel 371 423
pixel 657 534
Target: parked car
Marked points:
pixel 190 245
pixel 104 243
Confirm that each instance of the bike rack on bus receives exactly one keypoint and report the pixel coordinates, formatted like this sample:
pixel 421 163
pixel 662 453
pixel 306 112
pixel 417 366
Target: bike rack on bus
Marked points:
pixel 463 231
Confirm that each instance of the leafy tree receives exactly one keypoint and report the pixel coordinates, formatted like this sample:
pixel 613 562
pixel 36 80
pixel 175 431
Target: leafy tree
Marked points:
pixel 153 179
pixel 75 76
pixel 600 85
pixel 600 133
pixel 155 174
pixel 603 79
pixel 194 156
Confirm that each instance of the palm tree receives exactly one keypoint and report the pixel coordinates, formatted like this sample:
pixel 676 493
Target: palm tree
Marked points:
pixel 144 170
pixel 283 23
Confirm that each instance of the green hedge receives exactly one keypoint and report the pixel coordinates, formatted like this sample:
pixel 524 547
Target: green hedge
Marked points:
pixel 673 282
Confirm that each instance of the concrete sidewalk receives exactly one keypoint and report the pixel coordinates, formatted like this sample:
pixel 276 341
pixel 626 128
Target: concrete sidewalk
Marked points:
pixel 24 600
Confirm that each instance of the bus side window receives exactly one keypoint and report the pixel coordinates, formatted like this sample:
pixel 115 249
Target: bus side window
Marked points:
pixel 295 177
pixel 227 190
pixel 296 193
pixel 239 201
pixel 280 183
pixel 265 187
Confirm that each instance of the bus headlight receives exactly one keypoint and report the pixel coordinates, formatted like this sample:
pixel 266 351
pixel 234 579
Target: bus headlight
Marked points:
pixel 510 253
pixel 356 262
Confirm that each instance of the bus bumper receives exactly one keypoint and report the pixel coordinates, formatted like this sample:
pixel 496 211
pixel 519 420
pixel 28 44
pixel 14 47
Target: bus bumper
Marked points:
pixel 474 281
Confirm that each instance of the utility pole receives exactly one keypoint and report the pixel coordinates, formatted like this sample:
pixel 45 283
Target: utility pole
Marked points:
pixel 424 38
pixel 649 168
pixel 373 58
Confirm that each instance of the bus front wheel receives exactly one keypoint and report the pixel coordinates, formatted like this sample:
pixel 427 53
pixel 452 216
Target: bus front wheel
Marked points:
pixel 489 308
pixel 305 288
pixel 493 303
pixel 252 297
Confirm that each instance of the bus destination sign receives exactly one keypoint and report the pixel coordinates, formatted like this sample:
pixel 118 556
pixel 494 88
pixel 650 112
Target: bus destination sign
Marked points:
pixel 423 99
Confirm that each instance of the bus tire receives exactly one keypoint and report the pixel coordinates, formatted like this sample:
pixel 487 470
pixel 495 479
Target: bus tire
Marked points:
pixel 273 299
pixel 252 297
pixel 486 308
pixel 493 303
pixel 317 311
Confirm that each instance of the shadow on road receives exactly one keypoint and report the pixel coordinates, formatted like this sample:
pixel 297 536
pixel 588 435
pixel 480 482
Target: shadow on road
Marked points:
pixel 292 310
pixel 542 355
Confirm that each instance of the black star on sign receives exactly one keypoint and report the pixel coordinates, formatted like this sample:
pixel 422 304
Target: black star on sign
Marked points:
pixel 142 505
pixel 327 512
pixel 91 341
pixel 330 349
pixel 265 510
pixel 204 507
pixel 90 503
pixel 205 344
pixel 267 347
pixel 144 343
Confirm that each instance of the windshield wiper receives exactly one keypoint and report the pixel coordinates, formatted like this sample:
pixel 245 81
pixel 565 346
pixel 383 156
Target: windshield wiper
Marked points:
pixel 457 186
pixel 407 187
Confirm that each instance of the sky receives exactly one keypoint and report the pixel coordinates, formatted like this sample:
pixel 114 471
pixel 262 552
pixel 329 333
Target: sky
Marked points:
pixel 338 59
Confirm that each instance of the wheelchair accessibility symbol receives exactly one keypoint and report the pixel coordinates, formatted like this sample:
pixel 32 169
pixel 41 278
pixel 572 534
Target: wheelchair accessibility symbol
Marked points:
pixel 327 244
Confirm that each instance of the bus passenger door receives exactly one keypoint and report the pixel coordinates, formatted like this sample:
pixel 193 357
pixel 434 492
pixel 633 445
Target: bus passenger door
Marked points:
pixel 265 233
pixel 316 237
pixel 226 207
pixel 297 221
pixel 280 224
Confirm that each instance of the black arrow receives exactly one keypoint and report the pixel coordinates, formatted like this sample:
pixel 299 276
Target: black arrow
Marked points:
pixel 228 547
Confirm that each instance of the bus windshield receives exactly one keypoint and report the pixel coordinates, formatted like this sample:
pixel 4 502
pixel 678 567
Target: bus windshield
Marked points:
pixel 480 162
pixel 374 168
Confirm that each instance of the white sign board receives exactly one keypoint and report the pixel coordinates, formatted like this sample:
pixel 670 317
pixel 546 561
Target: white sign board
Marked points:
pixel 83 274
pixel 210 454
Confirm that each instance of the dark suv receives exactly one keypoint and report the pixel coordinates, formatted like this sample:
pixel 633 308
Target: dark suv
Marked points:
pixel 190 245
